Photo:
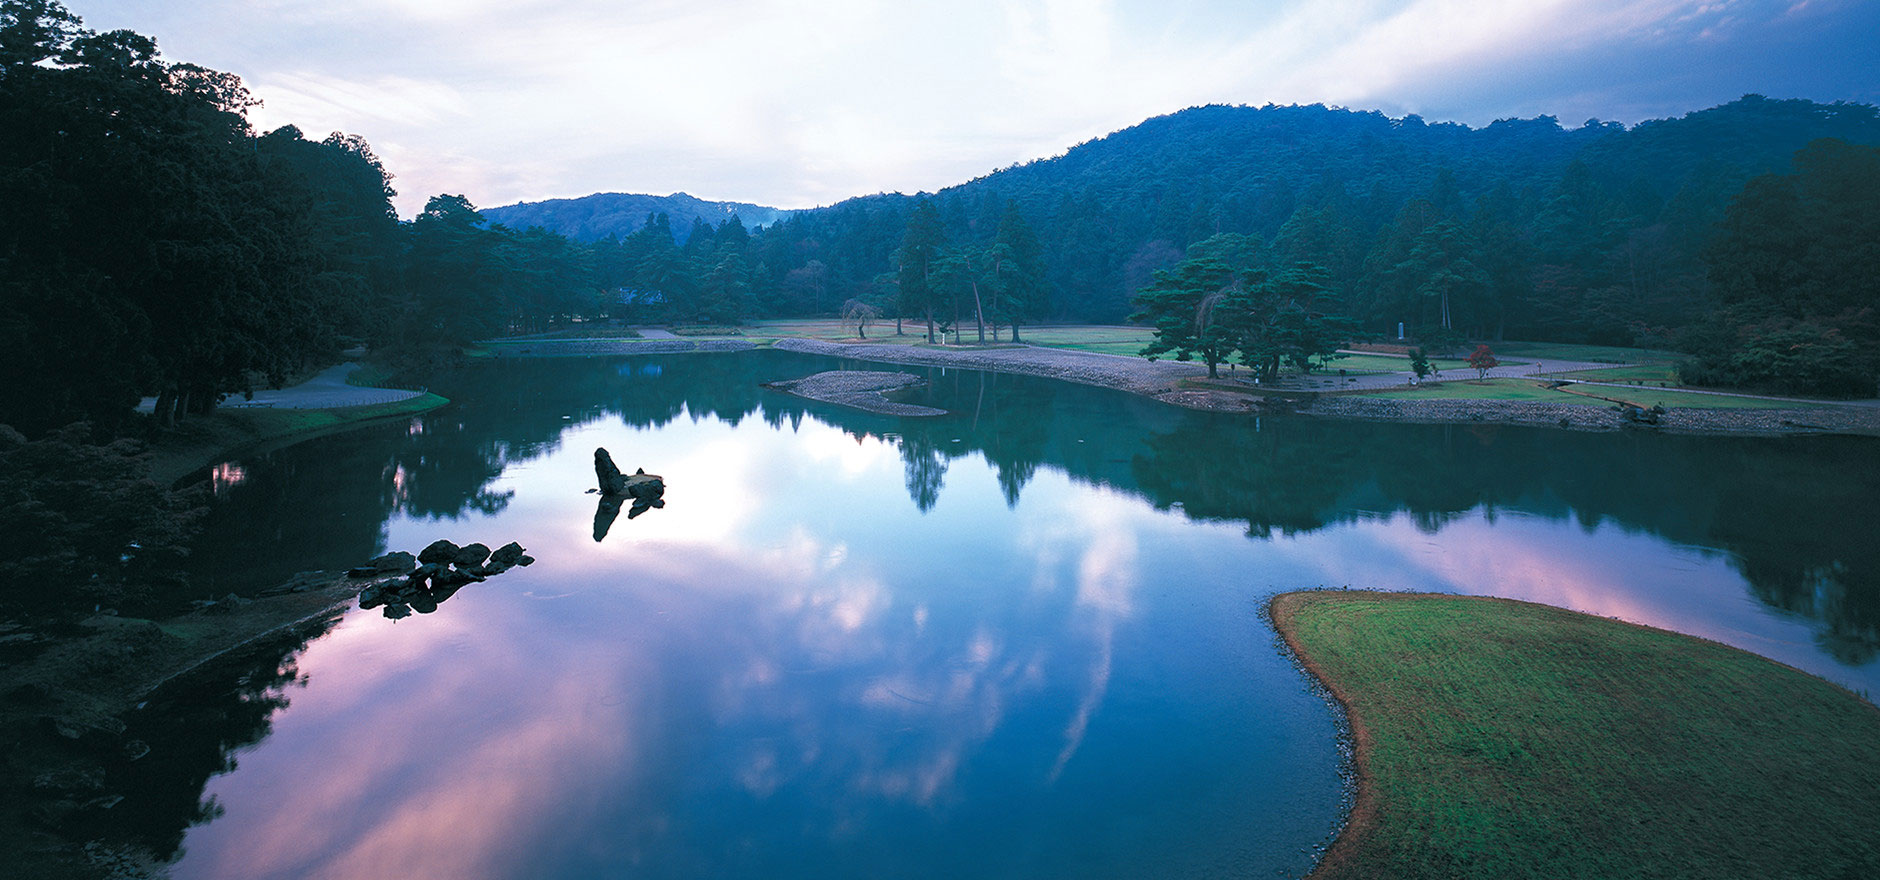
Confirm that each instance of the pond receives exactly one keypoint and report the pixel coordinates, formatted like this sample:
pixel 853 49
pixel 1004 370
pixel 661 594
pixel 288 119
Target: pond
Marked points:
pixel 1020 640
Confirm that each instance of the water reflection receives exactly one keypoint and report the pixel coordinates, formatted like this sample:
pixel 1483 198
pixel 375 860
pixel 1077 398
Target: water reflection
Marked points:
pixel 1791 516
pixel 1007 658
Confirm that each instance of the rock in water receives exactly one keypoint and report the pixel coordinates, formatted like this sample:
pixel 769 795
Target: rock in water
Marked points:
pixel 395 563
pixel 639 485
pixel 472 555
pixel 507 554
pixel 439 551
pixel 609 475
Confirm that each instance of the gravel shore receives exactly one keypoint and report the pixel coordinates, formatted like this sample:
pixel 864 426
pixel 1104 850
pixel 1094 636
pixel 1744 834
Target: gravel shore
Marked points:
pixel 1825 420
pixel 1163 380
pixel 537 348
pixel 861 389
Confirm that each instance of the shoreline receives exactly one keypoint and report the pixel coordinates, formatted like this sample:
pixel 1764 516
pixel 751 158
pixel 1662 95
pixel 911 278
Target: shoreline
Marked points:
pixel 65 712
pixel 1171 382
pixel 1362 818
pixel 203 441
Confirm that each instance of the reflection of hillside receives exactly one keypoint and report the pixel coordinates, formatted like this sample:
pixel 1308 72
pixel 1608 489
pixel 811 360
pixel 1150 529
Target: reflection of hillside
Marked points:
pixel 1791 512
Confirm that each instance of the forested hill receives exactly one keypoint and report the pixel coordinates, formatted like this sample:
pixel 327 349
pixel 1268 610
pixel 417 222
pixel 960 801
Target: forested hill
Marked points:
pixel 592 218
pixel 1592 231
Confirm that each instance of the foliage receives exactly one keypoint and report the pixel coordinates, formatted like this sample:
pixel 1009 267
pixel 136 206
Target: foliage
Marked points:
pixel 1483 359
pixel 85 522
pixel 1794 272
pixel 1506 739
pixel 1420 363
pixel 1206 307
pixel 860 314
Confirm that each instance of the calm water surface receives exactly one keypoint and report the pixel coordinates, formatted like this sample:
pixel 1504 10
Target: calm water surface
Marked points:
pixel 1021 640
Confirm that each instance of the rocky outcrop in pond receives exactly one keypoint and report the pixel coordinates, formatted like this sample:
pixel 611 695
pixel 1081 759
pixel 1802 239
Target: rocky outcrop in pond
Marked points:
pixel 645 490
pixel 405 583
pixel 862 389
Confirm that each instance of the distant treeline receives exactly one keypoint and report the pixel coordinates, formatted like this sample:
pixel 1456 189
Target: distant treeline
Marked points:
pixel 154 244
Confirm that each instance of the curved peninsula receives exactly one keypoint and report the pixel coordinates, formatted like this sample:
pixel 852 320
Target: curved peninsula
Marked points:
pixel 862 389
pixel 1495 738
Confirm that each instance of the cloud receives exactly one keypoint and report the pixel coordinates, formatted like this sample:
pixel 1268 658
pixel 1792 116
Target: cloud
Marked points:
pixel 795 103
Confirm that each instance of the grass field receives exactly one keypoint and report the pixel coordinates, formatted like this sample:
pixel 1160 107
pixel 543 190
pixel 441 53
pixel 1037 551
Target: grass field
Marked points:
pixel 1378 363
pixel 1652 373
pixel 1500 739
pixel 1649 397
pixel 1529 389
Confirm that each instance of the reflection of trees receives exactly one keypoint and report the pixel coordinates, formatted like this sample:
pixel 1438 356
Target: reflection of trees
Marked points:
pixel 926 472
pixel 193 727
pixel 1792 512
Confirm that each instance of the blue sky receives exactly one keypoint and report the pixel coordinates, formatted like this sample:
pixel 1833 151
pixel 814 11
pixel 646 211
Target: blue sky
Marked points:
pixel 794 103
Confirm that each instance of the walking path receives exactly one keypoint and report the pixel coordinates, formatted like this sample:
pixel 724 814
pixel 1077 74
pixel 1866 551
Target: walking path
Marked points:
pixel 326 390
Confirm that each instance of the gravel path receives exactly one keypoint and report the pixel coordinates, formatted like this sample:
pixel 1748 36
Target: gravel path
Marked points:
pixel 861 389
pixel 326 390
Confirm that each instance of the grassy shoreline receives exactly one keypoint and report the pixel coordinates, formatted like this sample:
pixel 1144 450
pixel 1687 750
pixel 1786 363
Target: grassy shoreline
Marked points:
pixel 1496 738
pixel 204 440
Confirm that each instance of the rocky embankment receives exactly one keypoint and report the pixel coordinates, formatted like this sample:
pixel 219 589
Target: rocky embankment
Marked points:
pixel 1154 379
pixel 860 389
pixel 537 348
pixel 1823 420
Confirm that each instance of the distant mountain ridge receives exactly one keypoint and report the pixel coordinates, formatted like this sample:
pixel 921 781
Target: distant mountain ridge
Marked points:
pixel 592 218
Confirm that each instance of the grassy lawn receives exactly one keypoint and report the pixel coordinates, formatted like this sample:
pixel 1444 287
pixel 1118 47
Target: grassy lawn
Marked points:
pixel 832 330
pixel 1501 739
pixel 1649 397
pixel 1653 373
pixel 1529 389
pixel 202 440
pixel 1606 354
pixel 1491 389
pixel 1378 363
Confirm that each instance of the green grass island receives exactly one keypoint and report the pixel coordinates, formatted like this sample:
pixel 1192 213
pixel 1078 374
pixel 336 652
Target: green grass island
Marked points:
pixel 1497 738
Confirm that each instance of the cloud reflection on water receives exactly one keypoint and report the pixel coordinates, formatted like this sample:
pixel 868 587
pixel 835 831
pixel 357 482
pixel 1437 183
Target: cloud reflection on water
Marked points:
pixel 456 749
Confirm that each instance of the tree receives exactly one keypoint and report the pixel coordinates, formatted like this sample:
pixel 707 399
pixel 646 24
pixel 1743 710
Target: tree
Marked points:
pixel 1483 360
pixel 1793 269
pixel 967 272
pixel 1196 308
pixel 1420 364
pixel 1284 321
pixel 921 250
pixel 860 314
pixel 1017 272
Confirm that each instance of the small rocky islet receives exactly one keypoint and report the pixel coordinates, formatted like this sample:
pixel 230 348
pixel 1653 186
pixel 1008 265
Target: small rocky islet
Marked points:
pixel 403 583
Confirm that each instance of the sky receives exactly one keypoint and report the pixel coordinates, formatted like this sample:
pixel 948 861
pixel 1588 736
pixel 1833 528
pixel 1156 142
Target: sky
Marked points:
pixel 798 103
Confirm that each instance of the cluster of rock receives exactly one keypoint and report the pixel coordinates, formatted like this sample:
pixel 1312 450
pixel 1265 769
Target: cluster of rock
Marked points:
pixel 404 583
pixel 1635 416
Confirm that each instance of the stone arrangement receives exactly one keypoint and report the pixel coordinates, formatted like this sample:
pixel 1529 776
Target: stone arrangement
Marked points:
pixel 404 583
